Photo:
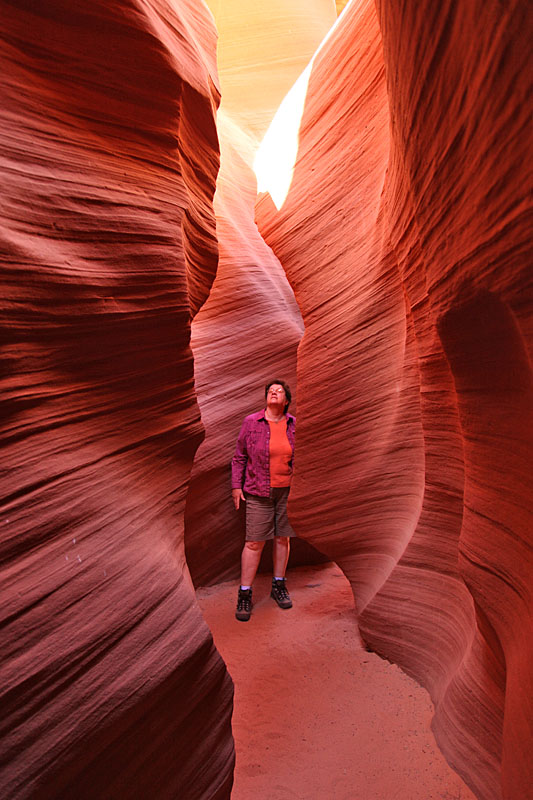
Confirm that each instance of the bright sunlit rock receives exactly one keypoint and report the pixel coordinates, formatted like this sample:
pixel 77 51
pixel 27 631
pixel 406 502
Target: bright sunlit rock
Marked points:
pixel 277 153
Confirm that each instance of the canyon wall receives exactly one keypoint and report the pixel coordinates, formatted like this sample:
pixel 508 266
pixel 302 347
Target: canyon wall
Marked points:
pixel 110 684
pixel 405 235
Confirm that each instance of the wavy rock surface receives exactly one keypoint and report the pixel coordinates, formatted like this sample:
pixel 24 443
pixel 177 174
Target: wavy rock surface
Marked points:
pixel 410 190
pixel 249 328
pixel 110 683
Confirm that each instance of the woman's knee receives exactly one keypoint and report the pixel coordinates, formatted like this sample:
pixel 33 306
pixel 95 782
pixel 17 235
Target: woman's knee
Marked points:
pixel 283 541
pixel 254 545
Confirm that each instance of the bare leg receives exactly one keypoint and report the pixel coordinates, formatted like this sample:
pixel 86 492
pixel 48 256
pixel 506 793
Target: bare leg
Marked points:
pixel 282 546
pixel 251 556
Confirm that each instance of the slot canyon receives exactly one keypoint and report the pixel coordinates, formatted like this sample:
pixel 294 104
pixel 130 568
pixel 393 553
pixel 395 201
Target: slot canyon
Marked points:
pixel 196 197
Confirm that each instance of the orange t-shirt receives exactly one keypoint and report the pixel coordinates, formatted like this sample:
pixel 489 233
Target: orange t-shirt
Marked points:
pixel 280 454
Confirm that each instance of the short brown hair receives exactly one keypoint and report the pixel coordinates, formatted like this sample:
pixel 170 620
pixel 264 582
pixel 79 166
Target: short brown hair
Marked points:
pixel 286 388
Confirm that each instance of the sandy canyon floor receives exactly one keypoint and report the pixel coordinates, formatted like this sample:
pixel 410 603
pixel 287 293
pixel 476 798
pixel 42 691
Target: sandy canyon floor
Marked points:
pixel 316 716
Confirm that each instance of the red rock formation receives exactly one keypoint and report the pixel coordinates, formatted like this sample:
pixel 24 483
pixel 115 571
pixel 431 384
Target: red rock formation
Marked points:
pixel 110 683
pixel 410 192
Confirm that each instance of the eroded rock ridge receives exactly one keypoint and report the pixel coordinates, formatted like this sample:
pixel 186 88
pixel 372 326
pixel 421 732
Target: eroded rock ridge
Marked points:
pixel 410 190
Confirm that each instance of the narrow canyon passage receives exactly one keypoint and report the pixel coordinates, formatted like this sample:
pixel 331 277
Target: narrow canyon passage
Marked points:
pixel 317 716
pixel 198 197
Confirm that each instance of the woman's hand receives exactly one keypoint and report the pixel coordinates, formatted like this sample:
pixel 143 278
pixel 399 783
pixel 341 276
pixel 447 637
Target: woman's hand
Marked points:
pixel 237 497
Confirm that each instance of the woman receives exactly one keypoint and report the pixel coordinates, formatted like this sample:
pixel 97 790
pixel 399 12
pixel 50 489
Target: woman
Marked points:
pixel 261 472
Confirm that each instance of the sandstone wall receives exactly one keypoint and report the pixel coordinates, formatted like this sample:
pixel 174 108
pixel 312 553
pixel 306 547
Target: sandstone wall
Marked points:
pixel 110 684
pixel 410 194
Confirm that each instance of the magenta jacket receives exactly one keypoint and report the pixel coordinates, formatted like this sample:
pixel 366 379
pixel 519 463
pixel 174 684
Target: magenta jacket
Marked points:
pixel 250 466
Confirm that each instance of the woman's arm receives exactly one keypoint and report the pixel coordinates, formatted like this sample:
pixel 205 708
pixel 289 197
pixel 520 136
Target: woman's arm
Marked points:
pixel 238 466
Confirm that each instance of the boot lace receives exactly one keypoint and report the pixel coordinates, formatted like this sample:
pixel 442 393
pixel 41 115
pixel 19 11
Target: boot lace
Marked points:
pixel 244 603
pixel 281 590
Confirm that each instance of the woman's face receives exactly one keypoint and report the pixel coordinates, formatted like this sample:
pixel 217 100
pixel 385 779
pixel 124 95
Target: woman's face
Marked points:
pixel 276 394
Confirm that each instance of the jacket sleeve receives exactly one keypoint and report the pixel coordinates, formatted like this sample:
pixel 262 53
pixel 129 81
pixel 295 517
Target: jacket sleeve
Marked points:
pixel 240 459
pixel 293 442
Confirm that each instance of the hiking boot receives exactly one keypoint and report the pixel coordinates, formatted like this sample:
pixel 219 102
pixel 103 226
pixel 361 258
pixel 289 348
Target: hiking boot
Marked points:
pixel 244 605
pixel 280 594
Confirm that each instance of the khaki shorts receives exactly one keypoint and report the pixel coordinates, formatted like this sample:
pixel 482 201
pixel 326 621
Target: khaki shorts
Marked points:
pixel 266 517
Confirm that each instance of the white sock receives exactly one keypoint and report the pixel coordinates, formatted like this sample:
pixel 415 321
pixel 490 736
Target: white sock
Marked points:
pixel 279 579
pixel 245 588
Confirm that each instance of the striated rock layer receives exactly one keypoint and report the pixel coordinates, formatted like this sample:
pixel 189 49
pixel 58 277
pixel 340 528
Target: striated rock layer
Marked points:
pixel 110 683
pixel 404 235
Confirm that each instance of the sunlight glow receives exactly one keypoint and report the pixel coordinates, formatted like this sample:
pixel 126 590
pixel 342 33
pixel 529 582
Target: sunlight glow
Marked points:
pixel 276 156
